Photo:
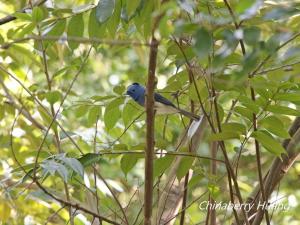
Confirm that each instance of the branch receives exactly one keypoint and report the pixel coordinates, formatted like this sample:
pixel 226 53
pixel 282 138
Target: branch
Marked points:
pixel 21 109
pixel 82 40
pixel 279 168
pixel 55 115
pixel 150 133
pixel 231 175
pixel 169 202
pixel 266 59
pixel 76 206
pixel 40 104
pixel 276 68
pixel 10 18
pixel 237 26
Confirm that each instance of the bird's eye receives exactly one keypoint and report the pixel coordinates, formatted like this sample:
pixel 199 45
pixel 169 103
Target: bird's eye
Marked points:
pixel 133 90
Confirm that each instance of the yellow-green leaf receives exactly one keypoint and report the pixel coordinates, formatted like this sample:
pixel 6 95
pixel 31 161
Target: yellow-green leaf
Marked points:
pixel 75 29
pixel 268 142
pixel 224 136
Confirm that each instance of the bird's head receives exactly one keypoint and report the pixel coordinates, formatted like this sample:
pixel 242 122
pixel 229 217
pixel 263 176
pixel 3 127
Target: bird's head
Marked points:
pixel 135 90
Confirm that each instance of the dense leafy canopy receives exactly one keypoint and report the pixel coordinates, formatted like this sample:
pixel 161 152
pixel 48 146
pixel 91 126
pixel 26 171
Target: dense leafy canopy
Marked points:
pixel 68 133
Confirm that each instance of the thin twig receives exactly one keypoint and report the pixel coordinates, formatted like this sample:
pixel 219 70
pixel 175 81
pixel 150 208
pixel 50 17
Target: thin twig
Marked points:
pixel 54 118
pixel 76 206
pixel 266 59
pixel 40 104
pixel 221 143
pixel 10 18
pixel 82 40
pixel 275 68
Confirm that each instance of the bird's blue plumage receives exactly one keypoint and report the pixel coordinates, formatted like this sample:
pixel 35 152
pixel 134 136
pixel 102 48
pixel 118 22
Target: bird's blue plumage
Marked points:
pixel 137 92
pixel 161 104
pixel 162 99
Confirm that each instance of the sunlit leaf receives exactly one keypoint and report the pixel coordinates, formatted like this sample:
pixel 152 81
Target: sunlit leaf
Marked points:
pixel 104 10
pixel 275 126
pixel 283 110
pixel 128 161
pixel 75 29
pixel 161 164
pixel 185 164
pixel 269 142
pixel 224 136
pixel 37 14
pixel 53 96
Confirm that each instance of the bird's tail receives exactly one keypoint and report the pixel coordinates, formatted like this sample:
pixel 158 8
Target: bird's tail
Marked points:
pixel 189 114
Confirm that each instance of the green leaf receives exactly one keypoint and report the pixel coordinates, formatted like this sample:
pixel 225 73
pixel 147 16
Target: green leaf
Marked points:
pixel 234 127
pixel 26 30
pixel 90 158
pixel 282 110
pixel 5 212
pixel 53 96
pixel 131 6
pixel 96 30
pixel 74 164
pixel 224 136
pixel 23 16
pixel 245 112
pixel 104 10
pixel 28 166
pixel 2 111
pixel 63 172
pixel 289 96
pixel 37 14
pixel 130 112
pixel 252 35
pixel 195 180
pixel 93 114
pixel 57 29
pixel 119 89
pixel 141 21
pixel 63 135
pixel 268 142
pixel 214 190
pixel 185 164
pixel 128 161
pixel 248 103
pixel 121 147
pixel 50 167
pixel 99 98
pixel 203 43
pixel 112 113
pixel 161 164
pixel 275 126
pixel 81 110
pixel 75 29
pixel 244 5
pixel 114 20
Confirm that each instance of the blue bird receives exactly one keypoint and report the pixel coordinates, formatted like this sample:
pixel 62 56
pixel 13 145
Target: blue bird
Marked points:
pixel 161 104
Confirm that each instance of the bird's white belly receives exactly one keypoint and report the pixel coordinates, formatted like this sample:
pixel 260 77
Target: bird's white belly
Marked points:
pixel 164 109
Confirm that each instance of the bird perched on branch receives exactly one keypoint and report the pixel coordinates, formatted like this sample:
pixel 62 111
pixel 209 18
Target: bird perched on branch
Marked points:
pixel 161 104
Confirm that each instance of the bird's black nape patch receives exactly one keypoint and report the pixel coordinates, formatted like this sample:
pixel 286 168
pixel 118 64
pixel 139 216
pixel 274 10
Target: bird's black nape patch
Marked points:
pixel 135 84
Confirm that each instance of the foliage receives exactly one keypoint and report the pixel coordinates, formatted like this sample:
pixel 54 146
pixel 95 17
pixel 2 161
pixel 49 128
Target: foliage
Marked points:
pixel 68 130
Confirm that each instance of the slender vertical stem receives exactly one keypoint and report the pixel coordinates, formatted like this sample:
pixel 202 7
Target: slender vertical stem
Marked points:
pixel 150 116
pixel 186 178
pixel 213 163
